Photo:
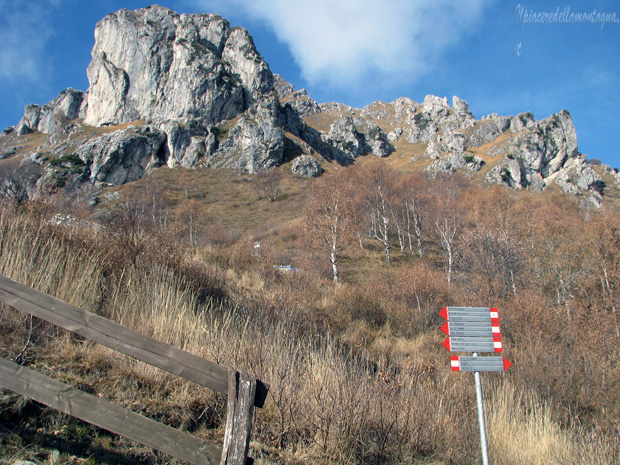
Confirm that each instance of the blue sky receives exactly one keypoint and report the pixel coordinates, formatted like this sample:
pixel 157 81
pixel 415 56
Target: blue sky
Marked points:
pixel 487 52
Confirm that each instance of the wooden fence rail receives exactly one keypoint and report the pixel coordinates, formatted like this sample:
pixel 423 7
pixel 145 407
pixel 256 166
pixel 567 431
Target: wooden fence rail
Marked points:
pixel 244 391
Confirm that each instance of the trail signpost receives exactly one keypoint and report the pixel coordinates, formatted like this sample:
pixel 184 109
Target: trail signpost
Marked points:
pixel 479 363
pixel 474 329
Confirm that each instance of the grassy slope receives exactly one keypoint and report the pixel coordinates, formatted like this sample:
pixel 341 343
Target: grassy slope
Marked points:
pixel 395 401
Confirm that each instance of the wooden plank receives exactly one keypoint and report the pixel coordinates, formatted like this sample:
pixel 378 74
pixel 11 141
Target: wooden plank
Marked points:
pixel 109 416
pixel 242 389
pixel 119 338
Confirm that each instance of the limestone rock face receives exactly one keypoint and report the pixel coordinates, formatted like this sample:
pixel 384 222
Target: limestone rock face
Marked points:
pixel 462 112
pixel 434 116
pixel 549 145
pixel 23 129
pixel 455 161
pixel 54 115
pixel 344 135
pixel 307 167
pixel 489 129
pixel 522 121
pixel 577 176
pixel 424 124
pixel 543 151
pixel 435 106
pixel 186 143
pixel 376 110
pixel 282 87
pixel 155 64
pixel 395 134
pixel 432 151
pixel 375 140
pixel 336 107
pixel 404 108
pixel 422 128
pixel 303 104
pixel 122 156
pixel 254 143
pixel 354 137
pixel 453 142
pixel 515 174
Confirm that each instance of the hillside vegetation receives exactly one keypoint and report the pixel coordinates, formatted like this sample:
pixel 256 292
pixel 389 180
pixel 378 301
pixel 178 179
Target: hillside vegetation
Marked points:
pixel 350 342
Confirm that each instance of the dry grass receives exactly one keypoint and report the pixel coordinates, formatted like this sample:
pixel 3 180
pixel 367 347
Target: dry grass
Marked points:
pixel 345 387
pixel 227 198
pixel 23 144
pixel 522 431
pixel 31 254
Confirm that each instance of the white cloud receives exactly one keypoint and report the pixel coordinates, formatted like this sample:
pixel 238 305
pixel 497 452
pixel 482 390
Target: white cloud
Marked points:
pixel 25 30
pixel 343 43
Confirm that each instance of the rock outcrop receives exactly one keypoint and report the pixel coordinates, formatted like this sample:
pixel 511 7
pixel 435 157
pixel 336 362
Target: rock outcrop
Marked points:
pixel 123 156
pixel 539 153
pixel 530 154
pixel 189 90
pixel 454 162
pixel 55 115
pixel 187 143
pixel 489 129
pixel 155 64
pixel 282 87
pixel 254 143
pixel 198 84
pixel 355 137
pixel 307 167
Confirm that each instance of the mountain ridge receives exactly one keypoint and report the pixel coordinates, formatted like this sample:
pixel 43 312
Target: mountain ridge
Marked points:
pixel 198 94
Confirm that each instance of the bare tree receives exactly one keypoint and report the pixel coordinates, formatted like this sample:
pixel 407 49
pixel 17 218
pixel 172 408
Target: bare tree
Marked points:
pixel 328 217
pixel 561 250
pixel 268 183
pixel 495 260
pixel 159 205
pixel 607 254
pixel 447 212
pixel 380 200
pixel 128 222
pixel 188 216
pixel 413 205
pixel 399 219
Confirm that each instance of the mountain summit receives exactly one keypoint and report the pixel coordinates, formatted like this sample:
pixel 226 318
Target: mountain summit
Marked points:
pixel 156 64
pixel 189 90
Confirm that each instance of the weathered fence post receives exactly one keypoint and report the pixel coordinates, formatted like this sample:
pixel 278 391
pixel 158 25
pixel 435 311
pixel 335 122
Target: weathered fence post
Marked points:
pixel 241 394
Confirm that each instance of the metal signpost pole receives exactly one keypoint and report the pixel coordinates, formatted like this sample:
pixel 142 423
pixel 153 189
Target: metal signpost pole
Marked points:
pixel 481 422
pixel 474 329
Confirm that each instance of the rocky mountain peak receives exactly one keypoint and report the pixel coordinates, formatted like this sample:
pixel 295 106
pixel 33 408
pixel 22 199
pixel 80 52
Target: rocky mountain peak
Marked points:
pixel 187 89
pixel 153 63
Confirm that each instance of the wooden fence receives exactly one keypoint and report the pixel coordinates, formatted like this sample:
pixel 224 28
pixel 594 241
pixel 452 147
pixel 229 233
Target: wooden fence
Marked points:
pixel 244 391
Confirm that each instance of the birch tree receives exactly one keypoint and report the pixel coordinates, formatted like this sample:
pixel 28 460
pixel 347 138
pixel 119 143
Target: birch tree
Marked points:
pixel 328 219
pixel 188 216
pixel 380 199
pixel 413 206
pixel 447 219
pixel 495 261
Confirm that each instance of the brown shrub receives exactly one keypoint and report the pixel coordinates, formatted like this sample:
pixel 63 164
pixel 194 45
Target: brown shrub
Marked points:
pixel 424 292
